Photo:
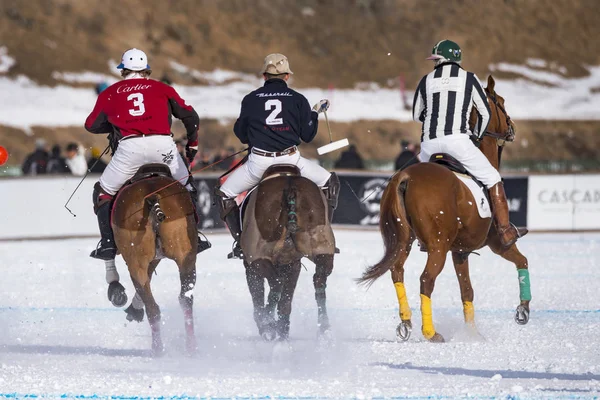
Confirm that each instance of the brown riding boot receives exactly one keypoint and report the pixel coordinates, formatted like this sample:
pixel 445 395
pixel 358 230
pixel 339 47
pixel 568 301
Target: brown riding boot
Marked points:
pixel 507 232
pixel 230 214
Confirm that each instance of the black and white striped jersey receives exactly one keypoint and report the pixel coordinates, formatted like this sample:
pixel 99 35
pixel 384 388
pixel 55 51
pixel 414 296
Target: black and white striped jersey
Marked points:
pixel 444 99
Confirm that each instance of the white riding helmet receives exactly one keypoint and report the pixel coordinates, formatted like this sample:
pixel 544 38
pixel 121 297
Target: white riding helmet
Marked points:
pixel 134 60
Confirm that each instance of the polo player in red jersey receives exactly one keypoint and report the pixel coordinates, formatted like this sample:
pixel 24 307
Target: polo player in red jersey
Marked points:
pixel 137 112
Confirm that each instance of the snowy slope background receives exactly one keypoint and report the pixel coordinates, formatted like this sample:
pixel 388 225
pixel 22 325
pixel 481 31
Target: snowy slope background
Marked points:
pixel 536 94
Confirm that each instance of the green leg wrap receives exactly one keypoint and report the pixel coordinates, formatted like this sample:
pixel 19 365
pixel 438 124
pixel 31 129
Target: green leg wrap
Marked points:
pixel 524 284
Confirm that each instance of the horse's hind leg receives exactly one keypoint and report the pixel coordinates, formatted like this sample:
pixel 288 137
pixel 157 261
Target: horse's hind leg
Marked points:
pixel 404 328
pixel 513 255
pixel 324 267
pixel 263 316
pixel 284 309
pixel 140 275
pixel 187 276
pixel 461 266
pixel 435 263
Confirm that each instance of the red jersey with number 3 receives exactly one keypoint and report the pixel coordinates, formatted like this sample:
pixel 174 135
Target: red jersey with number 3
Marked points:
pixel 141 106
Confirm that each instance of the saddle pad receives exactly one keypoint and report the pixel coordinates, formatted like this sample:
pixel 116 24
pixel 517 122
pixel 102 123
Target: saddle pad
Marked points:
pixel 243 205
pixel 483 205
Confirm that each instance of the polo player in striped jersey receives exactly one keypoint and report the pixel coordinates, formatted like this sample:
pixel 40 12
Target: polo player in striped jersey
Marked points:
pixel 442 103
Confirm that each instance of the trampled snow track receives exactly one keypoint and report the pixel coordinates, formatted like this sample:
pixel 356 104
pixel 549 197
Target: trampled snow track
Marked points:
pixel 60 338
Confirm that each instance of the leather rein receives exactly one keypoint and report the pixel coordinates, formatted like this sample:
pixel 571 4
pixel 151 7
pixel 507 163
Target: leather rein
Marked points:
pixel 507 136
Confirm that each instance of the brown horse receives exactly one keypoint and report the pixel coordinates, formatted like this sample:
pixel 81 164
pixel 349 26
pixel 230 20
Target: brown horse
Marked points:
pixel 153 218
pixel 285 219
pixel 427 201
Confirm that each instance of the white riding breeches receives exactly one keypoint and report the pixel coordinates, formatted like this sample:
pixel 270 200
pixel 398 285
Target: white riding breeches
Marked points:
pixel 134 152
pixel 460 147
pixel 250 173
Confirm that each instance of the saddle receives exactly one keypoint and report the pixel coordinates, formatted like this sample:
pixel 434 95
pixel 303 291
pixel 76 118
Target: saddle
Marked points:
pixel 280 170
pixel 148 171
pixel 453 165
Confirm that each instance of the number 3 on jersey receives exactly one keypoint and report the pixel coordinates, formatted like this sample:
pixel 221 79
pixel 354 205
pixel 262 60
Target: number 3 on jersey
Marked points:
pixel 272 118
pixel 138 103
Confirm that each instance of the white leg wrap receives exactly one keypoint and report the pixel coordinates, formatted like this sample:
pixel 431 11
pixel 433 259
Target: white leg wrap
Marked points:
pixel 137 302
pixel 111 271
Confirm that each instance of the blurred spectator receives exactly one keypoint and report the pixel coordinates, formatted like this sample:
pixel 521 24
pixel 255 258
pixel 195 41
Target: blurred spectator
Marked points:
pixel 76 159
pixel 407 156
pixel 350 159
pixel 101 86
pixel 57 163
pixel 165 79
pixel 202 160
pixel 37 162
pixel 223 154
pixel 95 164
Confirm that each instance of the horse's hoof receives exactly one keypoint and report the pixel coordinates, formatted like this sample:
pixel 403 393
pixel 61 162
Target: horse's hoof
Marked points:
pixel 158 350
pixel 269 335
pixel 522 315
pixel 324 328
pixel 191 347
pixel 134 314
pixel 437 338
pixel 116 294
pixel 404 330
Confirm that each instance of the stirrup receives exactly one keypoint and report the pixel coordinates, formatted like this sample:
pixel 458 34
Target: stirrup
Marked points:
pixel 203 243
pixel 236 252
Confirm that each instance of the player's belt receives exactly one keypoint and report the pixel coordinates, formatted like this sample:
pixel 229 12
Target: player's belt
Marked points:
pixel 146 135
pixel 287 152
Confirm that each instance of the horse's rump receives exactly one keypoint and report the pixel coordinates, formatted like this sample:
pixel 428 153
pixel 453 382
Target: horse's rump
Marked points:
pixel 135 224
pixel 286 216
pixel 131 209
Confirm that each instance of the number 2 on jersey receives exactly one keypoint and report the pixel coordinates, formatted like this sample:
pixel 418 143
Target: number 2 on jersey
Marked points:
pixel 138 103
pixel 272 118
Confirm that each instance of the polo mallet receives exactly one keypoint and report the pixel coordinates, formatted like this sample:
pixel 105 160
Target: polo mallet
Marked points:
pixel 332 146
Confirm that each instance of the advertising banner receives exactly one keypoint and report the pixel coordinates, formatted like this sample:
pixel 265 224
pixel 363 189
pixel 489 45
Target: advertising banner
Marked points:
pixel 564 202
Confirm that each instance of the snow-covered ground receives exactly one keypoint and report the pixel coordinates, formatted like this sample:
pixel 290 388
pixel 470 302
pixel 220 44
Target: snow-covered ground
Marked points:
pixel 60 338
pixel 541 92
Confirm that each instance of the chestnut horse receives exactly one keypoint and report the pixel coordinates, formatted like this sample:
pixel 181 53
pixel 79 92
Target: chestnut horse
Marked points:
pixel 286 218
pixel 153 218
pixel 427 201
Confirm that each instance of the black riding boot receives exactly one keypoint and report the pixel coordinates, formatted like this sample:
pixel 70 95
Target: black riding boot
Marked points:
pixel 203 243
pixel 106 249
pixel 332 194
pixel 230 213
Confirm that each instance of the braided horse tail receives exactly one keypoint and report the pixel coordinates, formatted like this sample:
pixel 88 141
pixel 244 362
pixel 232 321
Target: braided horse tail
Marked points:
pixel 289 208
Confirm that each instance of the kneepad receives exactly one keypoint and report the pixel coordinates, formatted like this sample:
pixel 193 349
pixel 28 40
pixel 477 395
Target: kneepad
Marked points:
pixel 332 191
pixel 100 197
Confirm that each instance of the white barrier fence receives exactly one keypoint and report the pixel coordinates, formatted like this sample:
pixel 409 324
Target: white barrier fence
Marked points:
pixel 34 207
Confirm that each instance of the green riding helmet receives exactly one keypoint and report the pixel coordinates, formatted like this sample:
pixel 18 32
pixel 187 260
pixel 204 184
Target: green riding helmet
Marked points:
pixel 446 50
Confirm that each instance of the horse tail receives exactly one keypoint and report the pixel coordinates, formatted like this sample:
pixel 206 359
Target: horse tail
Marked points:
pixel 157 215
pixel 289 207
pixel 394 227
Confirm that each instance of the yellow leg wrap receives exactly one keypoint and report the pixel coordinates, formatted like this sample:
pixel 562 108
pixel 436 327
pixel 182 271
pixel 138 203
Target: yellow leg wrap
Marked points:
pixel 405 313
pixel 469 312
pixel 427 328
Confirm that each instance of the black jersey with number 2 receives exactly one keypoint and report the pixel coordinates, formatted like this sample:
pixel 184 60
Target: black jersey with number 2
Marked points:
pixel 275 117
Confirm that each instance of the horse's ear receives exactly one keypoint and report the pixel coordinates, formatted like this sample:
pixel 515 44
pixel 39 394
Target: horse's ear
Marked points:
pixel 491 83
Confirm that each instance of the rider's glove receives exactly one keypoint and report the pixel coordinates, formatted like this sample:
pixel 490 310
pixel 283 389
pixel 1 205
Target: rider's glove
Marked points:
pixel 321 106
pixel 191 149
